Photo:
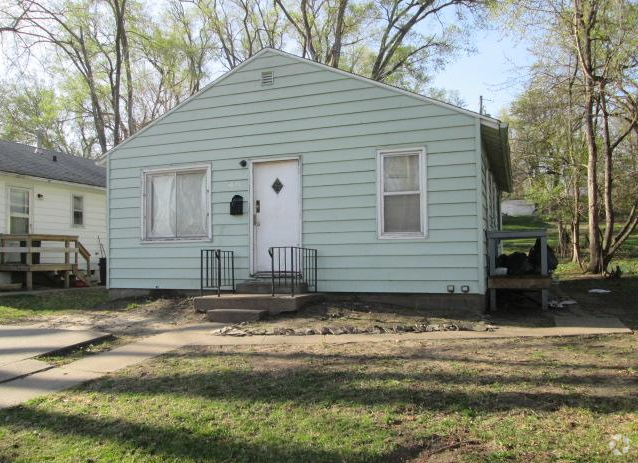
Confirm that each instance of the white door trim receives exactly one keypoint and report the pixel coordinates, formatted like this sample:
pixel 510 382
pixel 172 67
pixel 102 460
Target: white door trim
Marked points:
pixel 251 189
pixel 10 187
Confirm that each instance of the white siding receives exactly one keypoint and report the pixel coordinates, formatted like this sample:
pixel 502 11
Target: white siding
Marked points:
pixel 52 213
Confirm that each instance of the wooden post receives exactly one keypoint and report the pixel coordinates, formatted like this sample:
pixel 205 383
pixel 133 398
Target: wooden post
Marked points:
pixel 2 252
pixel 66 262
pixel 491 256
pixel 29 273
pixel 544 271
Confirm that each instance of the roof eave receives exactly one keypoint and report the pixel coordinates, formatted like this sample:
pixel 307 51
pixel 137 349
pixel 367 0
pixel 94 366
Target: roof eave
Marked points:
pixel 496 139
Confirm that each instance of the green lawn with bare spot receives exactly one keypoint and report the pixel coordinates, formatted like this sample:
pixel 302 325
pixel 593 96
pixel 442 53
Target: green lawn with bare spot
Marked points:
pixel 533 400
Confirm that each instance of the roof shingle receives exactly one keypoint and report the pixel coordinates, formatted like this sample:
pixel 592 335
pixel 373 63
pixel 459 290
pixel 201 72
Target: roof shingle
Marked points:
pixel 22 159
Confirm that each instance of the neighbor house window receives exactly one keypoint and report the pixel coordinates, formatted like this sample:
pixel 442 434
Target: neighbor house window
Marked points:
pixel 77 203
pixel 401 177
pixel 177 204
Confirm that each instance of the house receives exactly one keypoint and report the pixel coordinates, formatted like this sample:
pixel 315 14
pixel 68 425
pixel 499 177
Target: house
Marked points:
pixel 392 189
pixel 49 200
pixel 517 207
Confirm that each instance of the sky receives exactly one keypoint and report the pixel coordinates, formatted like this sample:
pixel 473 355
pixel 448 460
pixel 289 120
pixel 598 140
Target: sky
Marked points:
pixel 494 71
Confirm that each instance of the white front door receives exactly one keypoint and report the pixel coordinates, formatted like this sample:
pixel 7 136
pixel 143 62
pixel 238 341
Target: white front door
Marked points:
pixel 276 208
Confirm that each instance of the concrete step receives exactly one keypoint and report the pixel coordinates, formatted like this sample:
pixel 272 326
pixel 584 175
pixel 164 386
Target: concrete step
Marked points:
pixel 234 315
pixel 271 304
pixel 264 286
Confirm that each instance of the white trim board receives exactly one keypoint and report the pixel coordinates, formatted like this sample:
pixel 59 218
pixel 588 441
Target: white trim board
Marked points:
pixel 251 206
pixel 143 203
pixel 423 197
pixel 50 180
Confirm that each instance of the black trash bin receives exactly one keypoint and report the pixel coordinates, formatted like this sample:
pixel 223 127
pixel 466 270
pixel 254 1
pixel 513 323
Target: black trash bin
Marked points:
pixel 102 265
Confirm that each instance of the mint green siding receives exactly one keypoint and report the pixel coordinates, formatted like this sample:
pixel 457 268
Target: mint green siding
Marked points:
pixel 336 124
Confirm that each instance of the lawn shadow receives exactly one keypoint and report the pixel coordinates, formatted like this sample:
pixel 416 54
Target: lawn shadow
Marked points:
pixel 310 378
pixel 177 443
pixel 316 386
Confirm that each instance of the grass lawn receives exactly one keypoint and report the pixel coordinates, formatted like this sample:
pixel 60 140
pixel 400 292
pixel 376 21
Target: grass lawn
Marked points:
pixel 15 308
pixel 540 400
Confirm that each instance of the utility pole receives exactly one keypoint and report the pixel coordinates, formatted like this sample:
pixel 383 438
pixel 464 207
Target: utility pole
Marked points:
pixel 482 105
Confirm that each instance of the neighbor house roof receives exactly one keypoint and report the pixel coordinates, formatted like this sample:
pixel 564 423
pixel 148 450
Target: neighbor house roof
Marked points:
pixel 16 158
pixel 493 132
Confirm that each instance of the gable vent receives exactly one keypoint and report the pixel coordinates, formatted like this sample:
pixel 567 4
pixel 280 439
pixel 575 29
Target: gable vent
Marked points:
pixel 267 78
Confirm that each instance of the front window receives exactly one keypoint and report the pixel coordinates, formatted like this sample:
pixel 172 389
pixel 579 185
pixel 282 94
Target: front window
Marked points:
pixel 78 210
pixel 402 193
pixel 176 204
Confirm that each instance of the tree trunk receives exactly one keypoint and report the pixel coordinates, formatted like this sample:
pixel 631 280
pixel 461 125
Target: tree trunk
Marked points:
pixel 608 185
pixel 583 22
pixel 595 248
pixel 576 257
pixel 563 239
pixel 129 78
pixel 334 53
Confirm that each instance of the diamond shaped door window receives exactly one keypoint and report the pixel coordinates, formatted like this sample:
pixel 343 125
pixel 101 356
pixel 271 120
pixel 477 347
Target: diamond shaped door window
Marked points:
pixel 277 186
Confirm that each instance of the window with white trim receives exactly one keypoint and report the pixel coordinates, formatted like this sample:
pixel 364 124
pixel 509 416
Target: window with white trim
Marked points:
pixel 77 210
pixel 401 177
pixel 177 204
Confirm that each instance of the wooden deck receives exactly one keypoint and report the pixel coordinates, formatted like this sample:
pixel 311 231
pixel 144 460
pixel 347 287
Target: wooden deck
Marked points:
pixel 69 246
pixel 519 282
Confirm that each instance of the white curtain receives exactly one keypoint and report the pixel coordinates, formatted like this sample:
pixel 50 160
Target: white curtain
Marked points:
pixel 162 206
pixel 401 173
pixel 191 205
pixel 402 212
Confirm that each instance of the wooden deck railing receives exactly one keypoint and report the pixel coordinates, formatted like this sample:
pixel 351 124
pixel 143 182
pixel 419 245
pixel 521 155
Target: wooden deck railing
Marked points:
pixel 69 245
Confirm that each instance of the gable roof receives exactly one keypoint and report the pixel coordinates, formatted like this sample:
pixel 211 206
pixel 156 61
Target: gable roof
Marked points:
pixel 489 125
pixel 17 158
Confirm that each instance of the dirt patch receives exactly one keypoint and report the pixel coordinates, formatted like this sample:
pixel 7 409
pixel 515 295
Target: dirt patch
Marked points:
pixel 127 318
pixel 358 317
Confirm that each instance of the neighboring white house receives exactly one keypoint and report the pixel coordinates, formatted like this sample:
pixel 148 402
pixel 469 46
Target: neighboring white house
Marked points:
pixel 517 207
pixel 48 192
pixel 394 191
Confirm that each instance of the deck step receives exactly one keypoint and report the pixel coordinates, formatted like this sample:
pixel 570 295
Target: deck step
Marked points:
pixel 234 315
pixel 256 302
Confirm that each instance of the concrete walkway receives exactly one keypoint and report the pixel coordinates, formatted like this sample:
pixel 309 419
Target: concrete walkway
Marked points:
pixel 56 379
pixel 23 342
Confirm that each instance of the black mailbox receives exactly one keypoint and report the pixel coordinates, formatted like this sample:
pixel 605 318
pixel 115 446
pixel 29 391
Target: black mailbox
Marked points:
pixel 237 205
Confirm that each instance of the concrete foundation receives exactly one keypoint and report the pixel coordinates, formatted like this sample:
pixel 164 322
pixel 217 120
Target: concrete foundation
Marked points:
pixel 458 304
pixel 455 303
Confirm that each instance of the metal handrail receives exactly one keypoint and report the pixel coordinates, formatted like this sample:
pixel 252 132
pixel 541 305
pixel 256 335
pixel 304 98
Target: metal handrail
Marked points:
pixel 217 270
pixel 295 264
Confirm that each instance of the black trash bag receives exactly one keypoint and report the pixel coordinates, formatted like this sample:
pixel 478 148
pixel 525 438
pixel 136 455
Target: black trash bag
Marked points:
pixel 535 258
pixel 516 263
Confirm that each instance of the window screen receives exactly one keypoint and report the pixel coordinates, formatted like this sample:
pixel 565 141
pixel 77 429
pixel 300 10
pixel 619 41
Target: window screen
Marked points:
pixel 402 193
